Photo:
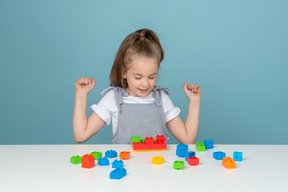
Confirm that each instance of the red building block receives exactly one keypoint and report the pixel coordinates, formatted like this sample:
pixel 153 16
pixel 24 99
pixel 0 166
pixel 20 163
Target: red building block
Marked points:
pixel 150 144
pixel 228 162
pixel 88 161
pixel 192 160
pixel 124 155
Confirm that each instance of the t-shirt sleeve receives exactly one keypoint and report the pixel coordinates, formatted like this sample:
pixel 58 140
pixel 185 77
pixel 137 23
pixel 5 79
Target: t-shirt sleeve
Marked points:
pixel 170 110
pixel 105 107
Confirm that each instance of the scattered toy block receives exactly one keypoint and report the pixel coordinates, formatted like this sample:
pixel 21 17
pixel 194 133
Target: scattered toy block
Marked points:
pixel 158 160
pixel 96 154
pixel 200 146
pixel 182 147
pixel 237 156
pixel 193 161
pixel 103 161
pixel 178 165
pixel 76 159
pixel 149 144
pixel 189 154
pixel 219 155
pixel 209 144
pixel 181 150
pixel 228 162
pixel 118 173
pixel 117 164
pixel 124 155
pixel 110 154
pixel 88 161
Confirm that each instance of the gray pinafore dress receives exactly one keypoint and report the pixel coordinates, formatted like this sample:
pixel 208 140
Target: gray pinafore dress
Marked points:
pixel 144 120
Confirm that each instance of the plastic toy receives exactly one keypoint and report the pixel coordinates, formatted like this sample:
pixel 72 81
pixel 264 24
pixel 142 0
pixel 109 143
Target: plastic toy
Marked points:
pixel 76 159
pixel 110 154
pixel 237 156
pixel 124 155
pixel 88 161
pixel 158 160
pixel 209 144
pixel 103 161
pixel 149 144
pixel 96 154
pixel 182 149
pixel 228 162
pixel 200 146
pixel 118 173
pixel 219 155
pixel 117 164
pixel 178 165
pixel 189 154
pixel 193 161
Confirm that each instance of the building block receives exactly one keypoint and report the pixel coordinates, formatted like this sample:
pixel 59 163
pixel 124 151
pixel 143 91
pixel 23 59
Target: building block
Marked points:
pixel 158 160
pixel 88 161
pixel 178 165
pixel 96 154
pixel 189 154
pixel 228 162
pixel 182 147
pixel 209 144
pixel 193 161
pixel 219 155
pixel 200 146
pixel 124 155
pixel 110 154
pixel 149 144
pixel 136 139
pixel 117 164
pixel 118 173
pixel 76 159
pixel 237 156
pixel 103 161
pixel 181 150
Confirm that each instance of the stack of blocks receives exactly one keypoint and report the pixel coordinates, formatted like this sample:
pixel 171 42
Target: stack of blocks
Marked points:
pixel 148 144
pixel 182 151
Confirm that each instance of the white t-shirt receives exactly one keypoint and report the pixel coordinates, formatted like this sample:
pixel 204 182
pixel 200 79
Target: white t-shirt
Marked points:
pixel 107 108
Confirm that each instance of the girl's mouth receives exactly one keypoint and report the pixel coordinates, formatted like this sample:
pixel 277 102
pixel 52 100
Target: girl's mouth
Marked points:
pixel 143 90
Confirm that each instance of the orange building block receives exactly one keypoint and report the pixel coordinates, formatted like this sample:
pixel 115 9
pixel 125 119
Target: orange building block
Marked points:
pixel 157 160
pixel 228 162
pixel 125 155
pixel 88 161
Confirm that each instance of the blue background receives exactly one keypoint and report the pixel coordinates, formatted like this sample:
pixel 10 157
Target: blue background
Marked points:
pixel 236 50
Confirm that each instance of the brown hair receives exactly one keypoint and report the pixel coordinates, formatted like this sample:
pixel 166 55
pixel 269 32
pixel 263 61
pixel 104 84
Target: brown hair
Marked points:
pixel 143 42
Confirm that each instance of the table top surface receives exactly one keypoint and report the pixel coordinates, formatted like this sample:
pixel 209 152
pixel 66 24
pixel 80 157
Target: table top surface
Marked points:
pixel 48 168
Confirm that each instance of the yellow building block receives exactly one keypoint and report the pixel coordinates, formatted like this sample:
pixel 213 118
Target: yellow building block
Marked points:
pixel 157 160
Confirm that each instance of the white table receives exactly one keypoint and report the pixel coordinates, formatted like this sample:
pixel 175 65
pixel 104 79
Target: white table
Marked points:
pixel 48 168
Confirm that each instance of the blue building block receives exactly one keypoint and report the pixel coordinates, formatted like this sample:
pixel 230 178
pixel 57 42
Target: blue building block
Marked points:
pixel 189 154
pixel 118 173
pixel 180 153
pixel 182 147
pixel 237 156
pixel 103 161
pixel 209 144
pixel 117 164
pixel 110 154
pixel 219 155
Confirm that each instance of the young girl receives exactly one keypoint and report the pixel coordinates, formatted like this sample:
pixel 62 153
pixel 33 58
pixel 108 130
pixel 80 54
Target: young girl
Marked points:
pixel 133 102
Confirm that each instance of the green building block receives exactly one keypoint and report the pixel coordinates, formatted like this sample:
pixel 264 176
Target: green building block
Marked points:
pixel 136 139
pixel 200 146
pixel 178 164
pixel 96 154
pixel 76 159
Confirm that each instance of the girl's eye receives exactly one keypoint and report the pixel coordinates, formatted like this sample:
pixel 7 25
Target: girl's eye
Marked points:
pixel 152 77
pixel 137 78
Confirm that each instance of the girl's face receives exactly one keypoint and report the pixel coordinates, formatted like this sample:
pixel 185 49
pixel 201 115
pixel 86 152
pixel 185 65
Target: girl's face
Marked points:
pixel 141 75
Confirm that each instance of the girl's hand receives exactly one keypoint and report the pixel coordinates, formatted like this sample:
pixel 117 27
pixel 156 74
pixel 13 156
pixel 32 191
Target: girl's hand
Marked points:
pixel 85 84
pixel 193 92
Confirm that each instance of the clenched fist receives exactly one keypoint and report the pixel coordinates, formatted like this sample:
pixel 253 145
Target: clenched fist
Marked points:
pixel 85 84
pixel 193 92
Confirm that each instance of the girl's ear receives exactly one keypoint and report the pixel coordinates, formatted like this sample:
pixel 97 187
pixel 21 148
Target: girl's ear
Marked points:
pixel 124 74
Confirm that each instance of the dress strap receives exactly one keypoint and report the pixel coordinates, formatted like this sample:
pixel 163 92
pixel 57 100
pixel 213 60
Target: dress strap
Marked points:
pixel 119 92
pixel 157 94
